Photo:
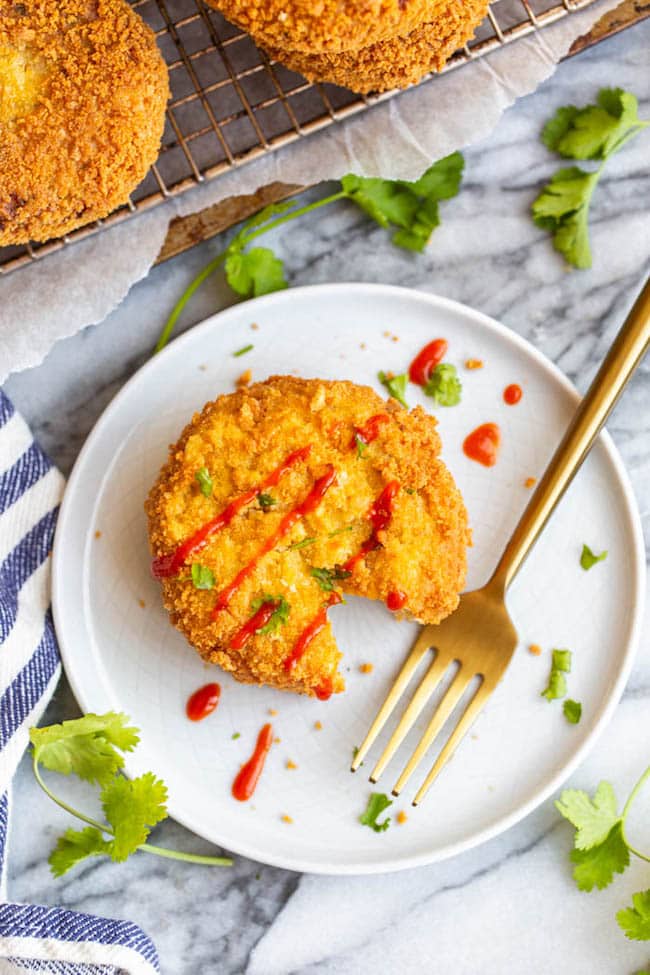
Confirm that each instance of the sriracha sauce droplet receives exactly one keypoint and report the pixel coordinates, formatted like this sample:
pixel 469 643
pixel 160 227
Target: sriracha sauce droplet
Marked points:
pixel 482 445
pixel 426 361
pixel 203 702
pixel 248 776
pixel 396 600
pixel 512 394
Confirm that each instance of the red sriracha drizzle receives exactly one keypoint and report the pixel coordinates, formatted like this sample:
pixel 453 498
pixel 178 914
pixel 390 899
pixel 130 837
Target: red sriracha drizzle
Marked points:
pixel 203 702
pixel 396 600
pixel 248 776
pixel 255 623
pixel 380 515
pixel 310 632
pixel 512 394
pixel 426 361
pixel 170 564
pixel 482 445
pixel 370 430
pixel 309 504
pixel 324 689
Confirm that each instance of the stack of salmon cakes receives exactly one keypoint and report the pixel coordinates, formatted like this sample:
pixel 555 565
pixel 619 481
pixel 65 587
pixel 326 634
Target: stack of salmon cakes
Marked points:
pixel 365 45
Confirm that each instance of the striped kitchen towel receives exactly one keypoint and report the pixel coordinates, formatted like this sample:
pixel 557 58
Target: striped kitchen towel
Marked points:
pixel 33 938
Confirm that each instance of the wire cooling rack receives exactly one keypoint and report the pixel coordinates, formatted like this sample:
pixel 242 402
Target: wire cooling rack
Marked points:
pixel 230 104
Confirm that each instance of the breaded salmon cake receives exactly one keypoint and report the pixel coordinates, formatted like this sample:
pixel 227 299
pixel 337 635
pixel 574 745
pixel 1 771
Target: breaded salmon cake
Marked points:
pixel 325 25
pixel 280 497
pixel 397 62
pixel 83 90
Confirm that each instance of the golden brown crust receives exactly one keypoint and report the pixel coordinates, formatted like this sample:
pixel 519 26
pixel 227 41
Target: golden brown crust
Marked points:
pixel 397 62
pixel 330 26
pixel 243 436
pixel 83 90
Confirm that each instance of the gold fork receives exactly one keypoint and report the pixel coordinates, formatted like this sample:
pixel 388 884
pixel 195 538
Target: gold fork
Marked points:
pixel 480 636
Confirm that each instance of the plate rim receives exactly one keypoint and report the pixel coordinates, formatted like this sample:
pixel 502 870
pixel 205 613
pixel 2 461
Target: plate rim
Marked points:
pixel 629 507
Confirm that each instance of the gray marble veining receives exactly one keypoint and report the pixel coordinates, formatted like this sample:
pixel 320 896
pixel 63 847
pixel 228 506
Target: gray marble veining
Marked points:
pixel 509 906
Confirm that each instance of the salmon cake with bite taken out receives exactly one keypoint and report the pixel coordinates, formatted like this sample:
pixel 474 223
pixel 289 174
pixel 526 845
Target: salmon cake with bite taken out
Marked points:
pixel 279 499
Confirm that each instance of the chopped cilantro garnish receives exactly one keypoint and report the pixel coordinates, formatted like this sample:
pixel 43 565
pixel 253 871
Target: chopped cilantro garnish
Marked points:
pixel 266 501
pixel 90 747
pixel 280 613
pixel 302 543
pixel 327 577
pixel 396 386
pixel 572 711
pixel 444 385
pixel 202 576
pixel 362 446
pixel 236 735
pixel 560 666
pixel 376 805
pixel 588 558
pixel 339 531
pixel 242 351
pixel 204 480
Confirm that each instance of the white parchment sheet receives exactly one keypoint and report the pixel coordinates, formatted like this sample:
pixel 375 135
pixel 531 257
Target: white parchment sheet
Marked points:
pixel 80 285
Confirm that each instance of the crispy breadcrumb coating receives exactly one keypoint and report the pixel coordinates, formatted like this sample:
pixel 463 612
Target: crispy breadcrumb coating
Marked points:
pixel 325 25
pixel 83 90
pixel 397 62
pixel 240 438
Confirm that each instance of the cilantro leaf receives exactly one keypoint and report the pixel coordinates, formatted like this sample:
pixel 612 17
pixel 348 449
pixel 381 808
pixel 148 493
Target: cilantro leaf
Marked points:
pixel 443 385
pixel 561 665
pixel 327 577
pixel 412 207
pixel 588 558
pixel 635 920
pixel 376 805
pixel 362 446
pixel 594 818
pixel 596 866
pixel 596 131
pixel 280 613
pixel 132 806
pixel 572 711
pixel 86 746
pixel 254 272
pixel 74 846
pixel 563 208
pixel 266 501
pixel 204 481
pixel 202 576
pixel 396 386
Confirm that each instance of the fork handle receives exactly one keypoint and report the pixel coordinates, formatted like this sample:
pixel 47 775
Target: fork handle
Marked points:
pixel 624 356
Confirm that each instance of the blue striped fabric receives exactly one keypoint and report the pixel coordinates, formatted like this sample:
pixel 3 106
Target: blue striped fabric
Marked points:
pixel 34 938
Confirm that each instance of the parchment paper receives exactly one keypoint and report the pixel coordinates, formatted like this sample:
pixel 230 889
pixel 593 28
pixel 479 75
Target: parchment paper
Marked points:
pixel 80 285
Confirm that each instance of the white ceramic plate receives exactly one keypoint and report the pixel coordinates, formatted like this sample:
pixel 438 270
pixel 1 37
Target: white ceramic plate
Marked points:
pixel 121 655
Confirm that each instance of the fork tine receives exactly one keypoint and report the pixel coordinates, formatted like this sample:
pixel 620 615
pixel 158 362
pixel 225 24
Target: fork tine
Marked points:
pixel 420 647
pixel 426 688
pixel 471 712
pixel 449 701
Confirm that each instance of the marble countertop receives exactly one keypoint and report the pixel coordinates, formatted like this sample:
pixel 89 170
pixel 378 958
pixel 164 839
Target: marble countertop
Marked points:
pixel 509 906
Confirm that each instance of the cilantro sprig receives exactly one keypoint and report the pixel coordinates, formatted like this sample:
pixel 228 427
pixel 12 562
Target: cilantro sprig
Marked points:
pixel 377 803
pixel 443 385
pixel 326 578
pixel 595 132
pixel 410 209
pixel 602 848
pixel 589 558
pixel 93 748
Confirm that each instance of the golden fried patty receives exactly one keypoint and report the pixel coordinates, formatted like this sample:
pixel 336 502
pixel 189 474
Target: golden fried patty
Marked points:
pixel 325 25
pixel 316 488
pixel 83 90
pixel 396 62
